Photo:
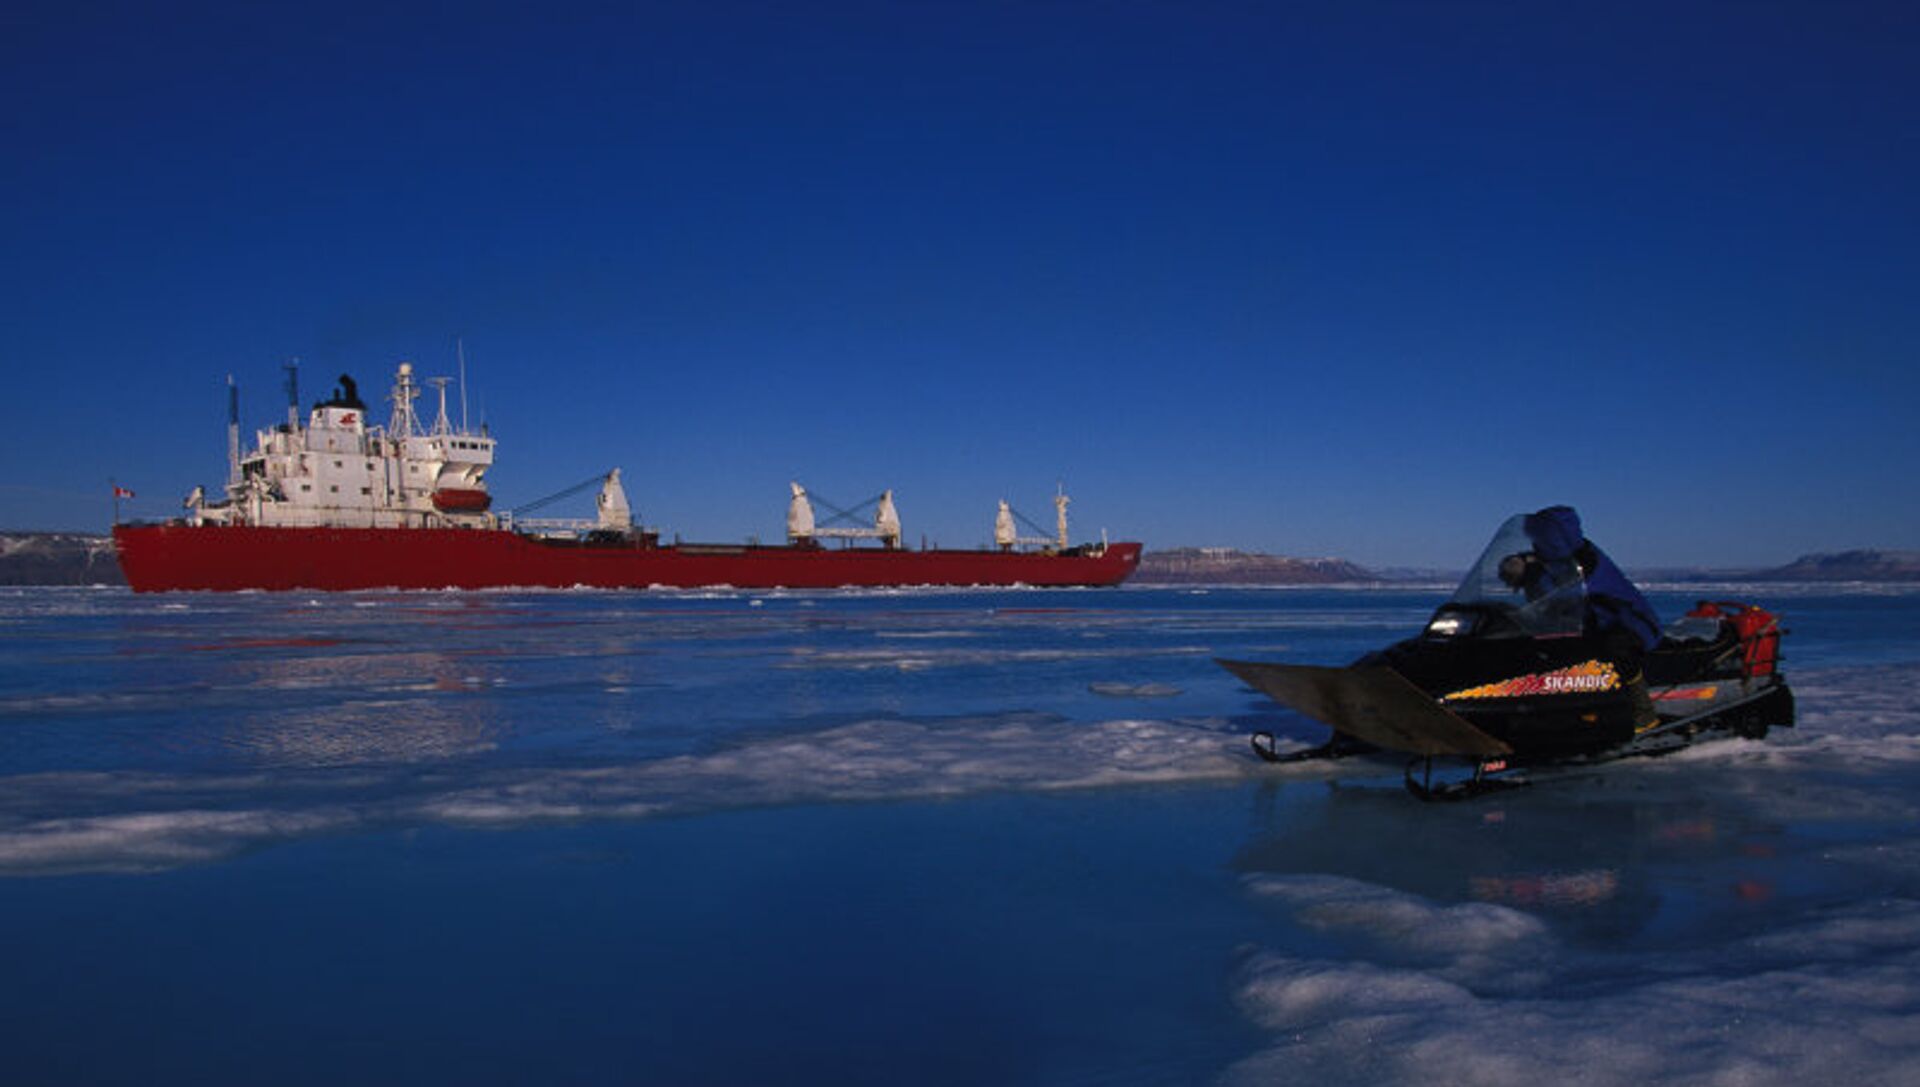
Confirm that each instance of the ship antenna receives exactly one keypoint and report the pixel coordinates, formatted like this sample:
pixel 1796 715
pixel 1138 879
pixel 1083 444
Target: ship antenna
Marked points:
pixel 440 425
pixel 460 349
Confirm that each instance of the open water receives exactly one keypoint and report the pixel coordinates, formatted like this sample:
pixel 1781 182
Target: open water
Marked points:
pixel 912 837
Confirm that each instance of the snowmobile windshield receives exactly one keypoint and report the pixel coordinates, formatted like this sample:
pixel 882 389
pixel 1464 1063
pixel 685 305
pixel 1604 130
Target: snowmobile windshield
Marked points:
pixel 1543 598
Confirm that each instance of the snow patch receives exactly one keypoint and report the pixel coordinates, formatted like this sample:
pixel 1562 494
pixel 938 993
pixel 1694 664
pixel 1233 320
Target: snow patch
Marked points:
pixel 1835 998
pixel 1134 690
pixel 63 822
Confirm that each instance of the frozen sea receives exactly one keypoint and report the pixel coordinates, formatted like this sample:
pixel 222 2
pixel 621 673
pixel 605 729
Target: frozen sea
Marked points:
pixel 913 837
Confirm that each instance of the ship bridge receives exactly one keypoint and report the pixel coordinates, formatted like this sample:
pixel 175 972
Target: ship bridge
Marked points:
pixel 339 470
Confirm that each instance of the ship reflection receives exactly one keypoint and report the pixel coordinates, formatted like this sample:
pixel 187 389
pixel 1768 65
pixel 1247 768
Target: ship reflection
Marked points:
pixel 364 708
pixel 1593 863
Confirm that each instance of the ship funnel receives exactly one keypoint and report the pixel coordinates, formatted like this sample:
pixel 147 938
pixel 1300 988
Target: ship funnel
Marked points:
pixel 292 367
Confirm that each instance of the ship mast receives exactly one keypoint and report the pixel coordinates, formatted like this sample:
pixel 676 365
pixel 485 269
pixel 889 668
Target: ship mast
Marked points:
pixel 460 349
pixel 292 367
pixel 404 423
pixel 233 432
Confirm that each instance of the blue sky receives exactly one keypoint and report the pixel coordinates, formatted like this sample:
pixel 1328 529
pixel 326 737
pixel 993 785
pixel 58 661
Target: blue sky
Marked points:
pixel 1320 279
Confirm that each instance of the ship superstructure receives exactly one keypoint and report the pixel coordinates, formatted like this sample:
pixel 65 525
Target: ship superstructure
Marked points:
pixel 339 470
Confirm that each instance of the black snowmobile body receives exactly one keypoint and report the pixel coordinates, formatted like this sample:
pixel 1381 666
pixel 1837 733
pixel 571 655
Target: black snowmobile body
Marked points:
pixel 1581 701
pixel 1507 677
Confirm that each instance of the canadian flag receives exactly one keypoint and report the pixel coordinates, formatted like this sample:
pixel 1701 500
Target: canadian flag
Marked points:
pixel 121 492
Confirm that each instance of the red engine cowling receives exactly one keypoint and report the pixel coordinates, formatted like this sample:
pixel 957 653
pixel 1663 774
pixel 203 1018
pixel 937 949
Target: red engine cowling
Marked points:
pixel 1758 629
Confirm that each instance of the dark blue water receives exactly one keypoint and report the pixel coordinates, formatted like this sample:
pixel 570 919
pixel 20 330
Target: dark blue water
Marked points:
pixel 974 837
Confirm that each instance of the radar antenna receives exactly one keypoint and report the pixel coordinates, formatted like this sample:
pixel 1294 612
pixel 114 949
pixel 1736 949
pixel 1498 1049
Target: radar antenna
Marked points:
pixel 404 424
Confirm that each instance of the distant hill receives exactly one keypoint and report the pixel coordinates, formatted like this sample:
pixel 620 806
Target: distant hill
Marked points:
pixel 57 558
pixel 1848 566
pixel 1226 566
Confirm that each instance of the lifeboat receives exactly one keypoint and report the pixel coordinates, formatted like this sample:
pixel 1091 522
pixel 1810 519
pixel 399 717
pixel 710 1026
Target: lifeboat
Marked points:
pixel 461 500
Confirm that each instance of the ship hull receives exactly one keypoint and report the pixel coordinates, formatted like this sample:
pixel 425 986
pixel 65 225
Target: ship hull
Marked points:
pixel 182 557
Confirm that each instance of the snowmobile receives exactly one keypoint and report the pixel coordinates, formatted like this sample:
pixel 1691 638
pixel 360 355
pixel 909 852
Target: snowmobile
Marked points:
pixel 1525 667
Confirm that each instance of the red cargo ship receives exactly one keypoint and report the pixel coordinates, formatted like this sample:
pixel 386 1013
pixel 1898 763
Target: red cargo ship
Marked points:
pixel 335 504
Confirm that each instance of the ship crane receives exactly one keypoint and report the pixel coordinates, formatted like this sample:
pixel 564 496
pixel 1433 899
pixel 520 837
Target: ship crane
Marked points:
pixel 613 514
pixel 799 517
pixel 1007 537
pixel 802 529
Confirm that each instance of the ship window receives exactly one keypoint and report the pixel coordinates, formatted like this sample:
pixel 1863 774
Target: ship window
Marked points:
pixel 335 488
pixel 306 486
pixel 366 490
pixel 337 464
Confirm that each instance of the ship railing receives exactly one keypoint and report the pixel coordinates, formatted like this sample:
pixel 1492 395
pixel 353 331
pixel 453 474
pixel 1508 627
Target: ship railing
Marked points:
pixel 551 526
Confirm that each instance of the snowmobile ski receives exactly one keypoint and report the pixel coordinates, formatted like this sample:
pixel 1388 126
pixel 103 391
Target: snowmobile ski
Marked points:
pixel 1373 704
pixel 1340 746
